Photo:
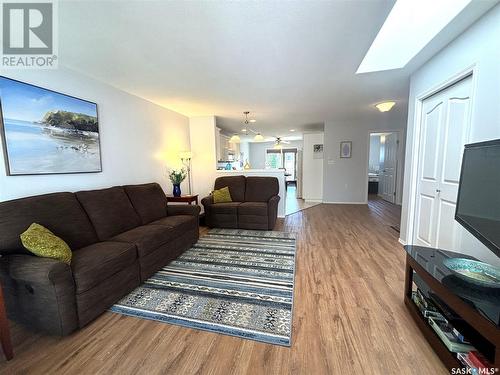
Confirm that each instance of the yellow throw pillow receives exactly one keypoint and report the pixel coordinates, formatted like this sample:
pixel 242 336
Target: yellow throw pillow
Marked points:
pixel 222 195
pixel 43 243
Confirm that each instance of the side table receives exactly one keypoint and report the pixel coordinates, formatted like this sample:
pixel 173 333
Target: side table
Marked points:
pixel 189 199
pixel 4 329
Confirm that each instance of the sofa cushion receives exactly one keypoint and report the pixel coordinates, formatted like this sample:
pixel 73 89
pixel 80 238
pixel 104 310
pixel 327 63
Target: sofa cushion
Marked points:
pixel 222 195
pixel 181 223
pixel 95 263
pixel 236 185
pixel 149 201
pixel 253 208
pixel 61 213
pixel 225 208
pixel 261 189
pixel 109 210
pixel 148 238
pixel 43 243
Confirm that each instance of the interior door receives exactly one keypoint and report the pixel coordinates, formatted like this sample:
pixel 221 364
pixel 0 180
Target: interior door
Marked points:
pixel 445 124
pixel 387 177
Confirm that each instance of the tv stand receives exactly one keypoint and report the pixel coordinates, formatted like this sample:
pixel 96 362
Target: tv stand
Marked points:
pixel 477 309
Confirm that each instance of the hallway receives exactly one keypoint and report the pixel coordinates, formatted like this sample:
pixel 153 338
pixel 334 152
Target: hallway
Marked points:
pixel 294 204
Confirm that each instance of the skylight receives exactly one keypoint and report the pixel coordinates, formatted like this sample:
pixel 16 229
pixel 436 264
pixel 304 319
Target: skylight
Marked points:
pixel 410 26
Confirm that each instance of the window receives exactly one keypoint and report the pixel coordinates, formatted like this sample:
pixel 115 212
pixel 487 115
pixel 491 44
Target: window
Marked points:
pixel 285 158
pixel 274 159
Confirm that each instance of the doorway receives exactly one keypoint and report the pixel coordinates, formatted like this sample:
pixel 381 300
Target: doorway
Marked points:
pixel 383 166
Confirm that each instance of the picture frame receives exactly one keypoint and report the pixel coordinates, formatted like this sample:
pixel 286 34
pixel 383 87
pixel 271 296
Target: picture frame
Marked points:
pixel 46 132
pixel 318 151
pixel 345 149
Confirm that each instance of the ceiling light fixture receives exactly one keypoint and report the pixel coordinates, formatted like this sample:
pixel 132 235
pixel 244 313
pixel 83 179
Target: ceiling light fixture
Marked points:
pixel 235 139
pixel 258 137
pixel 292 130
pixel 385 106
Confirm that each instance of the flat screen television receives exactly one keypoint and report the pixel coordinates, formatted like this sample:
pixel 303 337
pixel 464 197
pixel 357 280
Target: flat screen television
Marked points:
pixel 478 203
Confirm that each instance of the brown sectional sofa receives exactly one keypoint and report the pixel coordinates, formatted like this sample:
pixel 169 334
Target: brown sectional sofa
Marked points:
pixel 119 236
pixel 254 205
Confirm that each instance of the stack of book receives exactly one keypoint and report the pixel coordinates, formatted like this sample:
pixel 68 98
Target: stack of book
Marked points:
pixel 475 362
pixel 448 337
pixel 453 339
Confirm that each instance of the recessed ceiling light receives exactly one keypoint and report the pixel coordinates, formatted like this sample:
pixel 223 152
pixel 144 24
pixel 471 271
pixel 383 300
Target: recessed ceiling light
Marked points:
pixel 292 130
pixel 252 120
pixel 410 26
pixel 243 130
pixel 385 106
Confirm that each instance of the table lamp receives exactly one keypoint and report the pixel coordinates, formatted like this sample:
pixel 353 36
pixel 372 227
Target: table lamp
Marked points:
pixel 186 161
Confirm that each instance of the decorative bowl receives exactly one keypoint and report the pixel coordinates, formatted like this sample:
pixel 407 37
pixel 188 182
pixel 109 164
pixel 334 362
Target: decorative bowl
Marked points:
pixel 475 272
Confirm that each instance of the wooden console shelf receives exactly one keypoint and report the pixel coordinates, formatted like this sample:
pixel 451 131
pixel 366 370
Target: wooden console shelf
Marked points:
pixel 485 330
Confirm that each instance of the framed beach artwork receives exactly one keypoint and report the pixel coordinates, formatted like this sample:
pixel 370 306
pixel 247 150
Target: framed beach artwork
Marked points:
pixel 46 132
pixel 345 149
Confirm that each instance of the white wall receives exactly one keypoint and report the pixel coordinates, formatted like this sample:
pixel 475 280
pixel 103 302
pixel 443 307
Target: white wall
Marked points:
pixel 203 132
pixel 312 169
pixel 478 46
pixel 139 140
pixel 346 180
pixel 258 152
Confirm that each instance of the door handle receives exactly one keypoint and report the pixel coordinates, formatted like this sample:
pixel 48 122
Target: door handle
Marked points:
pixel 438 191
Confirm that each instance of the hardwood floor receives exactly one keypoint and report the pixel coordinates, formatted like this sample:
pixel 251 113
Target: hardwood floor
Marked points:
pixel 349 317
pixel 294 204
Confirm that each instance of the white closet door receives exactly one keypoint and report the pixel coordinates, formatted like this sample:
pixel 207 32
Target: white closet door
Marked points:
pixel 388 174
pixel 445 124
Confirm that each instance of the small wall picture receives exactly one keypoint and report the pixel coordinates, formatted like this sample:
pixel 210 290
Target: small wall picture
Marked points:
pixel 345 149
pixel 45 132
pixel 317 151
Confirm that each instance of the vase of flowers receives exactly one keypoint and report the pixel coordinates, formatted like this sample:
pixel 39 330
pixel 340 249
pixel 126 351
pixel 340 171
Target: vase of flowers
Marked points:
pixel 176 177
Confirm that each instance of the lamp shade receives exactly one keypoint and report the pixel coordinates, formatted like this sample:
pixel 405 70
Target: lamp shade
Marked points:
pixel 235 139
pixel 258 137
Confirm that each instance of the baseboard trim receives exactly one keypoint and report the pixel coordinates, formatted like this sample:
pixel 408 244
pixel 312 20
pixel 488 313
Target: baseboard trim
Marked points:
pixel 313 200
pixel 345 202
pixel 402 242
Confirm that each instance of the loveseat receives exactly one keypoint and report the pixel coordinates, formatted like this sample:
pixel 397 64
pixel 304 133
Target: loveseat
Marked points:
pixel 119 237
pixel 254 203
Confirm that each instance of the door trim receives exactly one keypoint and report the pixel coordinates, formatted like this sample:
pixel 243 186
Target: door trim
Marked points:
pixel 470 71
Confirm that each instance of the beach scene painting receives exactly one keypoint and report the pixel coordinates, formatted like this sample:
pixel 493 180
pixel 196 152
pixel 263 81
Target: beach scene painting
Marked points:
pixel 45 132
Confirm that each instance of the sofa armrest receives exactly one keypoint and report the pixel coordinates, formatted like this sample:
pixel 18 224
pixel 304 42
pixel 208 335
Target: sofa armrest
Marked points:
pixel 40 293
pixel 33 269
pixel 183 209
pixel 272 211
pixel 207 201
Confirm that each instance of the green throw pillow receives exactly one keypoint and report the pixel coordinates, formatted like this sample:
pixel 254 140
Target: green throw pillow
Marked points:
pixel 222 195
pixel 43 243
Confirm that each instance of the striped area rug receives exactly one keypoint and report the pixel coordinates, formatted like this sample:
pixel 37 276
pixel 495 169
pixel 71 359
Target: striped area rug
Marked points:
pixel 235 282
